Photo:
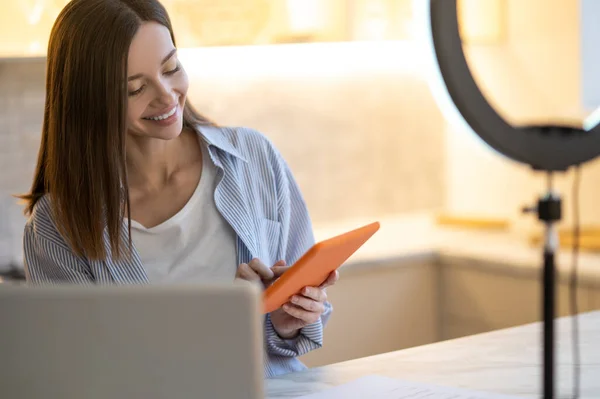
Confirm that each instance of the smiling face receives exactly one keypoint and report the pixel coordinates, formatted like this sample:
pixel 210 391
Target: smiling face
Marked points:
pixel 157 84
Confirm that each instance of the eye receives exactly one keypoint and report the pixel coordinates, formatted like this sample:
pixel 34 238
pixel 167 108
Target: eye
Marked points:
pixel 136 92
pixel 173 71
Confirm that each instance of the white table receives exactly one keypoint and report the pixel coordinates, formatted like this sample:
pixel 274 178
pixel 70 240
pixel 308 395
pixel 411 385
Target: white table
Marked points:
pixel 505 361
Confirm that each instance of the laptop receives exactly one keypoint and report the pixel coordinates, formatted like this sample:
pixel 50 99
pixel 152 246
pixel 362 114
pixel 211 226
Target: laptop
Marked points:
pixel 150 342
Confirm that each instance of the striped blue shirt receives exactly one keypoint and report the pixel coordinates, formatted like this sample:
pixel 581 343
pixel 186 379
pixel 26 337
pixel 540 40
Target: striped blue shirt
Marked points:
pixel 256 193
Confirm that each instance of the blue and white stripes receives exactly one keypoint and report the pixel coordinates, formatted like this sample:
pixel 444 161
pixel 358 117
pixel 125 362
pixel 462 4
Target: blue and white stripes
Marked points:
pixel 256 194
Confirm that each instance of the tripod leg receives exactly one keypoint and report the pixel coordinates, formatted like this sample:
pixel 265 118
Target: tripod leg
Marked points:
pixel 549 312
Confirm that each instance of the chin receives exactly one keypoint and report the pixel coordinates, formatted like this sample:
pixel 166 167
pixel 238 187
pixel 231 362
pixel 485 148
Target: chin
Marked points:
pixel 168 133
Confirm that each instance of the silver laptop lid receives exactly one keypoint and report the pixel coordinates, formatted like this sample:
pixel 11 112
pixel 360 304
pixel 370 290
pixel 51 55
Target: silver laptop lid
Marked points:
pixel 131 342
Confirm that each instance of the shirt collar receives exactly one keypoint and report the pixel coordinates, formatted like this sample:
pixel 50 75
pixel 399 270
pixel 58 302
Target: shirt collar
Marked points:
pixel 213 135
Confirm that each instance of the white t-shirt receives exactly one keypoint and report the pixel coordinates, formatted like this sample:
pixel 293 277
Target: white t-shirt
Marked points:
pixel 196 245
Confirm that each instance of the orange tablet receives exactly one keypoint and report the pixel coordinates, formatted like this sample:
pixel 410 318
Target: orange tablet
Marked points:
pixel 315 265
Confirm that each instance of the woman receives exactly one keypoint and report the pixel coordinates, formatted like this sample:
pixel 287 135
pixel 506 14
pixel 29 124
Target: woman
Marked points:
pixel 134 186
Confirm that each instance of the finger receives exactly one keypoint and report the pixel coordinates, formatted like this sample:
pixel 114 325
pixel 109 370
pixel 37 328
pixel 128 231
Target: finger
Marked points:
pixel 308 304
pixel 301 314
pixel 246 273
pixel 314 293
pixel 333 277
pixel 261 269
pixel 279 270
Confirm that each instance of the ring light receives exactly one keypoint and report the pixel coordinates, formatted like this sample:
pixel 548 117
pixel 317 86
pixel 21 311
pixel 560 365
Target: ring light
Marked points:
pixel 549 148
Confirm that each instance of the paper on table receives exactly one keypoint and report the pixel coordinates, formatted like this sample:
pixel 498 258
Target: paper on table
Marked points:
pixel 379 387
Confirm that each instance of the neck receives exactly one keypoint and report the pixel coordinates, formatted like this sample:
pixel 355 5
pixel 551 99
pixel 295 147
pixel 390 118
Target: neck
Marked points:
pixel 151 163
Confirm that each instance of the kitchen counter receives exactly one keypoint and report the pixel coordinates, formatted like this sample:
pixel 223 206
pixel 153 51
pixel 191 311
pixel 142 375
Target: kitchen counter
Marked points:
pixel 406 238
pixel 433 283
pixel 505 361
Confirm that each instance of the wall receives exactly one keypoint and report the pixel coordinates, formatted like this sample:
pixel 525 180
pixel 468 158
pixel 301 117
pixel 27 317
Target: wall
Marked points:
pixel 355 121
pixel 590 34
pixel 533 76
pixel 21 107
pixel 25 25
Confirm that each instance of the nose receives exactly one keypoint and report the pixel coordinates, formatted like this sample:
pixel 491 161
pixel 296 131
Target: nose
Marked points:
pixel 164 94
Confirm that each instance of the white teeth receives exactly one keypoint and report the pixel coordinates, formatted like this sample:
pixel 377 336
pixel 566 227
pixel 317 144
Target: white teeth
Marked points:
pixel 165 116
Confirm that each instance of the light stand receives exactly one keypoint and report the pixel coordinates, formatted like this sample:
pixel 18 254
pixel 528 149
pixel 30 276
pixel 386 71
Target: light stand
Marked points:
pixel 549 212
pixel 549 148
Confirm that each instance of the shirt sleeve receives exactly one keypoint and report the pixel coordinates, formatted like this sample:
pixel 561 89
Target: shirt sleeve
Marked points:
pixel 49 262
pixel 298 238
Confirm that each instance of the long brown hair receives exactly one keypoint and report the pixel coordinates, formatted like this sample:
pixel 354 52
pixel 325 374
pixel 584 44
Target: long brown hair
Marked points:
pixel 81 162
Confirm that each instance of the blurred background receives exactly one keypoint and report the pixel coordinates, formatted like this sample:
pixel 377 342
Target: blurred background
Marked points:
pixel 342 89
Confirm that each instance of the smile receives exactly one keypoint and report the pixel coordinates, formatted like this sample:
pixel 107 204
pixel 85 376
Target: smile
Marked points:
pixel 164 116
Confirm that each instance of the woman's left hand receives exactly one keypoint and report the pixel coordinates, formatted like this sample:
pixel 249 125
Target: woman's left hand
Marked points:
pixel 303 309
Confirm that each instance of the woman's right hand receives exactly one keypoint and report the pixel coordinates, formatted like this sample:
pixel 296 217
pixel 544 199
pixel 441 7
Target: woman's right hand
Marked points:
pixel 256 271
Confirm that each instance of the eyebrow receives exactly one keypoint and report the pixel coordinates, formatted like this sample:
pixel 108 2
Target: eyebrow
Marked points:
pixel 163 62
